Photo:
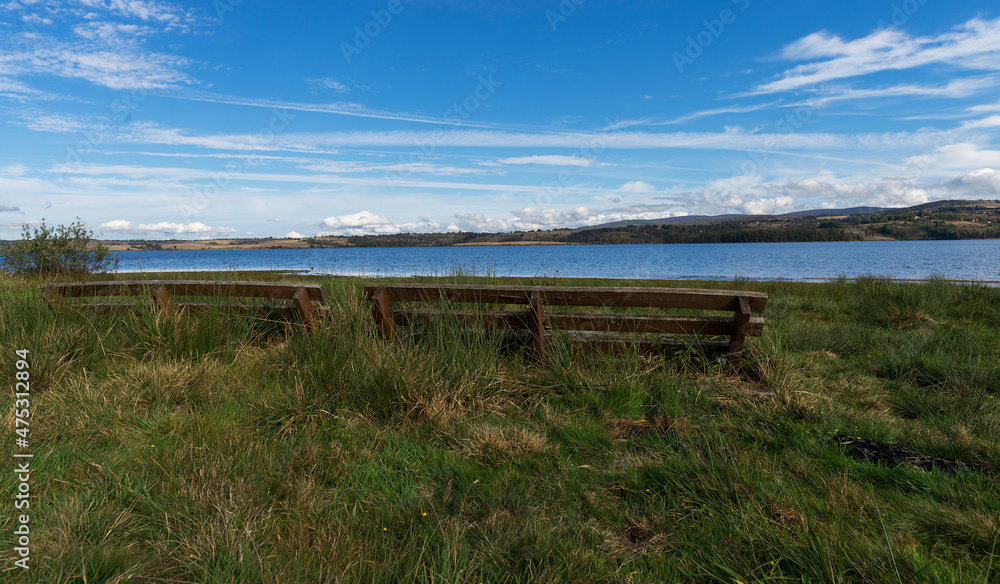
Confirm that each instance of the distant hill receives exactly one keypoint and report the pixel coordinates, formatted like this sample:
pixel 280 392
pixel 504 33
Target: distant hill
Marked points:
pixel 937 220
pixel 695 219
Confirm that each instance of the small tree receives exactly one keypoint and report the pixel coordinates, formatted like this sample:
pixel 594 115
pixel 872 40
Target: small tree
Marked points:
pixel 64 249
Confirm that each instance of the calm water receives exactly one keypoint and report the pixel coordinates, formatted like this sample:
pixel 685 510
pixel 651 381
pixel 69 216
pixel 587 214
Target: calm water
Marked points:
pixel 960 260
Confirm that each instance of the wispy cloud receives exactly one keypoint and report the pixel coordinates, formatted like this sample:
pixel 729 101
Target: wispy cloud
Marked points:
pixel 954 89
pixel 327 83
pixel 550 159
pixel 164 13
pixel 974 45
pixel 718 111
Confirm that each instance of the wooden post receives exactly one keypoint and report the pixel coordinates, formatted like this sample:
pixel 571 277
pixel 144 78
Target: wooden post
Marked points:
pixel 741 322
pixel 383 313
pixel 161 299
pixel 50 295
pixel 302 302
pixel 538 325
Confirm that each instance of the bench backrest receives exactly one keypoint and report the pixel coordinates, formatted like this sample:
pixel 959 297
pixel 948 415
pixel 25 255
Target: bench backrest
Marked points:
pixel 228 289
pixel 693 298
pixel 742 303
pixel 162 292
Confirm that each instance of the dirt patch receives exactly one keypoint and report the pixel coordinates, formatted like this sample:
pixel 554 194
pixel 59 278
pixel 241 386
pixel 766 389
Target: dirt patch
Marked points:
pixel 640 539
pixel 890 455
pixel 788 516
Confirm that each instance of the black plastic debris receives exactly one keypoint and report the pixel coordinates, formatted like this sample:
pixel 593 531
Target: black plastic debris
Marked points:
pixel 891 455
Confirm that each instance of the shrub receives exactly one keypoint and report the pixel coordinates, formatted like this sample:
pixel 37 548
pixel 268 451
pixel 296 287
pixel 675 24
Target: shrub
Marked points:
pixel 64 249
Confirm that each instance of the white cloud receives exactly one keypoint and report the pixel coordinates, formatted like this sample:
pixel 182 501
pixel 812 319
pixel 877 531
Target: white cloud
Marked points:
pixel 531 218
pixel 951 157
pixel 110 32
pixel 36 19
pixel 984 182
pixel 165 227
pixel 402 168
pixel 327 83
pixel 988 122
pixel 549 159
pixel 637 186
pixel 718 111
pixel 954 89
pixel 294 235
pixel 358 223
pixel 112 69
pixel 973 45
pixel 147 10
pixel 117 225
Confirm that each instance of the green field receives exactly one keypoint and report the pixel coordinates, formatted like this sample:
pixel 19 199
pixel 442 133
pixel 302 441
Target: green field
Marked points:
pixel 213 447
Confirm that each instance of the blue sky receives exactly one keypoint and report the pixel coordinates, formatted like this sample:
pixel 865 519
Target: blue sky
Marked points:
pixel 236 118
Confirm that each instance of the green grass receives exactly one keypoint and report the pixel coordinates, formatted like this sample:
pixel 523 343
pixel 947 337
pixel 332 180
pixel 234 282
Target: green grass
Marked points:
pixel 215 447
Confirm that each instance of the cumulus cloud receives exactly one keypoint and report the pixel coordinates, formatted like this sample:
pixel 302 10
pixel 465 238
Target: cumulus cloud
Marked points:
pixel 360 223
pixel 294 235
pixel 532 218
pixel 164 227
pixel 984 182
pixel 959 156
pixel 637 186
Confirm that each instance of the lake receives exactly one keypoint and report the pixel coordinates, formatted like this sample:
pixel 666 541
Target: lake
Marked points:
pixel 958 260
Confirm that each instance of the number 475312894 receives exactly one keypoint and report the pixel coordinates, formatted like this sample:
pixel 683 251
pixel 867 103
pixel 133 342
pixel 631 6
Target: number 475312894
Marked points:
pixel 21 397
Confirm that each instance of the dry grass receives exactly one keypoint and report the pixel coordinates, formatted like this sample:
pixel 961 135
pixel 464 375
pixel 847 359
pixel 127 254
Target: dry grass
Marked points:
pixel 215 449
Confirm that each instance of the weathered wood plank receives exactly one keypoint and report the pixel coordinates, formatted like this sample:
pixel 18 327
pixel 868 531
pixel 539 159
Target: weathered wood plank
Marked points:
pixel 489 318
pixel 654 324
pixel 741 324
pixel 639 297
pixel 287 311
pixel 611 343
pixel 304 306
pixel 50 295
pixel 161 299
pixel 594 322
pixel 383 314
pixel 234 289
pixel 609 331
pixel 537 324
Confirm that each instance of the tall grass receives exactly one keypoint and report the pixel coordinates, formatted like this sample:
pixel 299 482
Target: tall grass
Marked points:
pixel 216 447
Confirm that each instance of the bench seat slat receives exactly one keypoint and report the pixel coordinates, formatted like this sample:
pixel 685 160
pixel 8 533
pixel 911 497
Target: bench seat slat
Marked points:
pixel 616 323
pixel 609 342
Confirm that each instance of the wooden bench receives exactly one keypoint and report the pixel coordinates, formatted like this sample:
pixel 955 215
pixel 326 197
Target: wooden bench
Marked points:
pixel 608 330
pixel 163 294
